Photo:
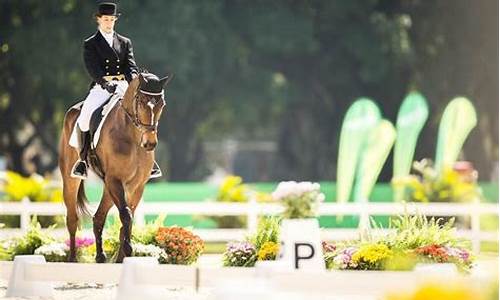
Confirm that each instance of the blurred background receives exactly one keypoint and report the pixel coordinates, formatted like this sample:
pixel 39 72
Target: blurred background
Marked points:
pixel 261 87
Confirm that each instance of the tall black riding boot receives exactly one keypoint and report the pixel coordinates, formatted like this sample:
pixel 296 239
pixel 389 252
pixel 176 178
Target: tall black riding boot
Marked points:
pixel 80 168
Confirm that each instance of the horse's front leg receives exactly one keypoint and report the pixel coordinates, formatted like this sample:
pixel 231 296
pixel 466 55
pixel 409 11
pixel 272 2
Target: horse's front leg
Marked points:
pixel 125 232
pixel 117 193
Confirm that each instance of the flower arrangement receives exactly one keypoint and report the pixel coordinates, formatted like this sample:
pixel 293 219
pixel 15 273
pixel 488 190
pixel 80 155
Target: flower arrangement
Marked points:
pixel 263 245
pixel 415 239
pixel 151 251
pixel 301 199
pixel 239 254
pixel 181 245
pixel 54 252
pixel 173 245
pixel 30 241
pixel 449 185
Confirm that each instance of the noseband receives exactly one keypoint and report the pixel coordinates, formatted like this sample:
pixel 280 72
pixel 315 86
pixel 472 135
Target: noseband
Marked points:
pixel 143 128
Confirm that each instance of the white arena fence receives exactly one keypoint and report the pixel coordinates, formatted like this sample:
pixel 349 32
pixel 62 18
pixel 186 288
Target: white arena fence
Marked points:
pixel 252 210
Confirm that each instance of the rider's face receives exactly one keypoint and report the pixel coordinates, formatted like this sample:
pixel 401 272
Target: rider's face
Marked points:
pixel 106 23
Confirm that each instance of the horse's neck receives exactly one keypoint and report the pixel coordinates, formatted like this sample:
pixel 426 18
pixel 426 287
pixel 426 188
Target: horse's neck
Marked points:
pixel 122 125
pixel 130 93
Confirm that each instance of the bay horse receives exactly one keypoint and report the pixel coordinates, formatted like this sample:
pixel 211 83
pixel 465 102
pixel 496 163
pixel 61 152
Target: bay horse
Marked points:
pixel 125 154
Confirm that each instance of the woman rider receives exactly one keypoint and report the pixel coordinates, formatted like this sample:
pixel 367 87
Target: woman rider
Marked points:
pixel 109 60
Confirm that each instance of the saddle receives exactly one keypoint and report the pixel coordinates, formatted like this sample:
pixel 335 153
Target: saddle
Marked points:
pixel 96 121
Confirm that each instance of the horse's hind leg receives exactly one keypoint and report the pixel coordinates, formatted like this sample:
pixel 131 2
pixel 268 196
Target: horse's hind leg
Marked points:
pixel 99 221
pixel 70 192
pixel 117 193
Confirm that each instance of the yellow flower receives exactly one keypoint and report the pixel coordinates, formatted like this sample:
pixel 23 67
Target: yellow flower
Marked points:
pixel 419 195
pixel 268 251
pixel 232 190
pixel 372 254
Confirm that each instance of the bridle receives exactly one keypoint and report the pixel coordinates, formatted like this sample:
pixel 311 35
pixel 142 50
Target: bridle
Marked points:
pixel 143 128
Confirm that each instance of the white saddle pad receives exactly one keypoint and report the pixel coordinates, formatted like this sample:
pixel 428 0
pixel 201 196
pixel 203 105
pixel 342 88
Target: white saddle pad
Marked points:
pixel 74 140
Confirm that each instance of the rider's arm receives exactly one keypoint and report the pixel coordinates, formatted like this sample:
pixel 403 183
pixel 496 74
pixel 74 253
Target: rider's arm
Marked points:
pixel 92 64
pixel 132 70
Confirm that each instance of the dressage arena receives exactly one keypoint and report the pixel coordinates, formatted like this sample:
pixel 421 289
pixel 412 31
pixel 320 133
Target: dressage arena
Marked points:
pixel 249 150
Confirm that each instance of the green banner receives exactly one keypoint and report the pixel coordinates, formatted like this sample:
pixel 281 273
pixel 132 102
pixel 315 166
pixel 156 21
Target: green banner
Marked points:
pixel 412 116
pixel 458 119
pixel 360 119
pixel 379 145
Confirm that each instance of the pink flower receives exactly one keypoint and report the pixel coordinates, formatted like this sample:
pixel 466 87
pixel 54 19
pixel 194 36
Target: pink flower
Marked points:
pixel 82 242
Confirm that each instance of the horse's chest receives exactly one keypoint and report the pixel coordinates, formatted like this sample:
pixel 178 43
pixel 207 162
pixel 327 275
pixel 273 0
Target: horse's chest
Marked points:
pixel 122 147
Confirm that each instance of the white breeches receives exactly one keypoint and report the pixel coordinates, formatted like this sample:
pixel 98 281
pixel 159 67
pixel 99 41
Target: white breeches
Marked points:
pixel 96 97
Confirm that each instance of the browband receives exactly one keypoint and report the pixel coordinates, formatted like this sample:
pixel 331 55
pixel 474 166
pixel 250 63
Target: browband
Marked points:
pixel 152 94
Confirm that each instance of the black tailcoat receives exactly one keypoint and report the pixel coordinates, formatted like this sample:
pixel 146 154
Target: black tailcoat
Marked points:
pixel 103 60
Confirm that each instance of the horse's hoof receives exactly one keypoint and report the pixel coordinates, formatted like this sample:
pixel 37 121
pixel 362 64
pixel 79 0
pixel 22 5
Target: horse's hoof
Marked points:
pixel 100 258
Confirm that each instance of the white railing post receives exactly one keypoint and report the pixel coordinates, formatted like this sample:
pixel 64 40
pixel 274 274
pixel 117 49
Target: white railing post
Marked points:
pixel 252 214
pixel 476 227
pixel 25 213
pixel 364 215
pixel 139 216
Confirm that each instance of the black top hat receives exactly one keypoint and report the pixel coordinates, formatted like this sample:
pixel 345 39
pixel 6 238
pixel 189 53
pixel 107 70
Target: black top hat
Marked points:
pixel 107 8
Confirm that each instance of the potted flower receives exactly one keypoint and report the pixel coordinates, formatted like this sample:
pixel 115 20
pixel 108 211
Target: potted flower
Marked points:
pixel 300 234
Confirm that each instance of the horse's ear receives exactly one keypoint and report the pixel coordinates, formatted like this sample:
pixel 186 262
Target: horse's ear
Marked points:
pixel 142 80
pixel 165 80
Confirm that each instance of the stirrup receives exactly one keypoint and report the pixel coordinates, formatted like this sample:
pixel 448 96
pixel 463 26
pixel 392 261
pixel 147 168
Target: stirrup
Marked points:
pixel 155 171
pixel 76 172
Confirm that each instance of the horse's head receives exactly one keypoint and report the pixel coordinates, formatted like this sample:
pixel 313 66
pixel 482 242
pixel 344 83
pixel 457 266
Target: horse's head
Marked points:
pixel 147 106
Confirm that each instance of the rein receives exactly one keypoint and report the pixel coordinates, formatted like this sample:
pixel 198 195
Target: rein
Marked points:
pixel 135 117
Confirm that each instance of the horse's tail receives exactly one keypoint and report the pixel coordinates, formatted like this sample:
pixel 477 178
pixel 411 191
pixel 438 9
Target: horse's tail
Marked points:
pixel 81 201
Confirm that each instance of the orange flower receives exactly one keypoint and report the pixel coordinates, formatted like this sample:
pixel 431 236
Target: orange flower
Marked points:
pixel 181 245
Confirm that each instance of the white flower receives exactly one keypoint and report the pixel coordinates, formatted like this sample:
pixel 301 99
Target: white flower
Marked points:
pixel 294 189
pixel 148 250
pixel 58 249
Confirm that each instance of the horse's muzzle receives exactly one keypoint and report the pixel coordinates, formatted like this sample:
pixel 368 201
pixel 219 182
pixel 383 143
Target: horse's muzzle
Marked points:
pixel 149 141
pixel 148 146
